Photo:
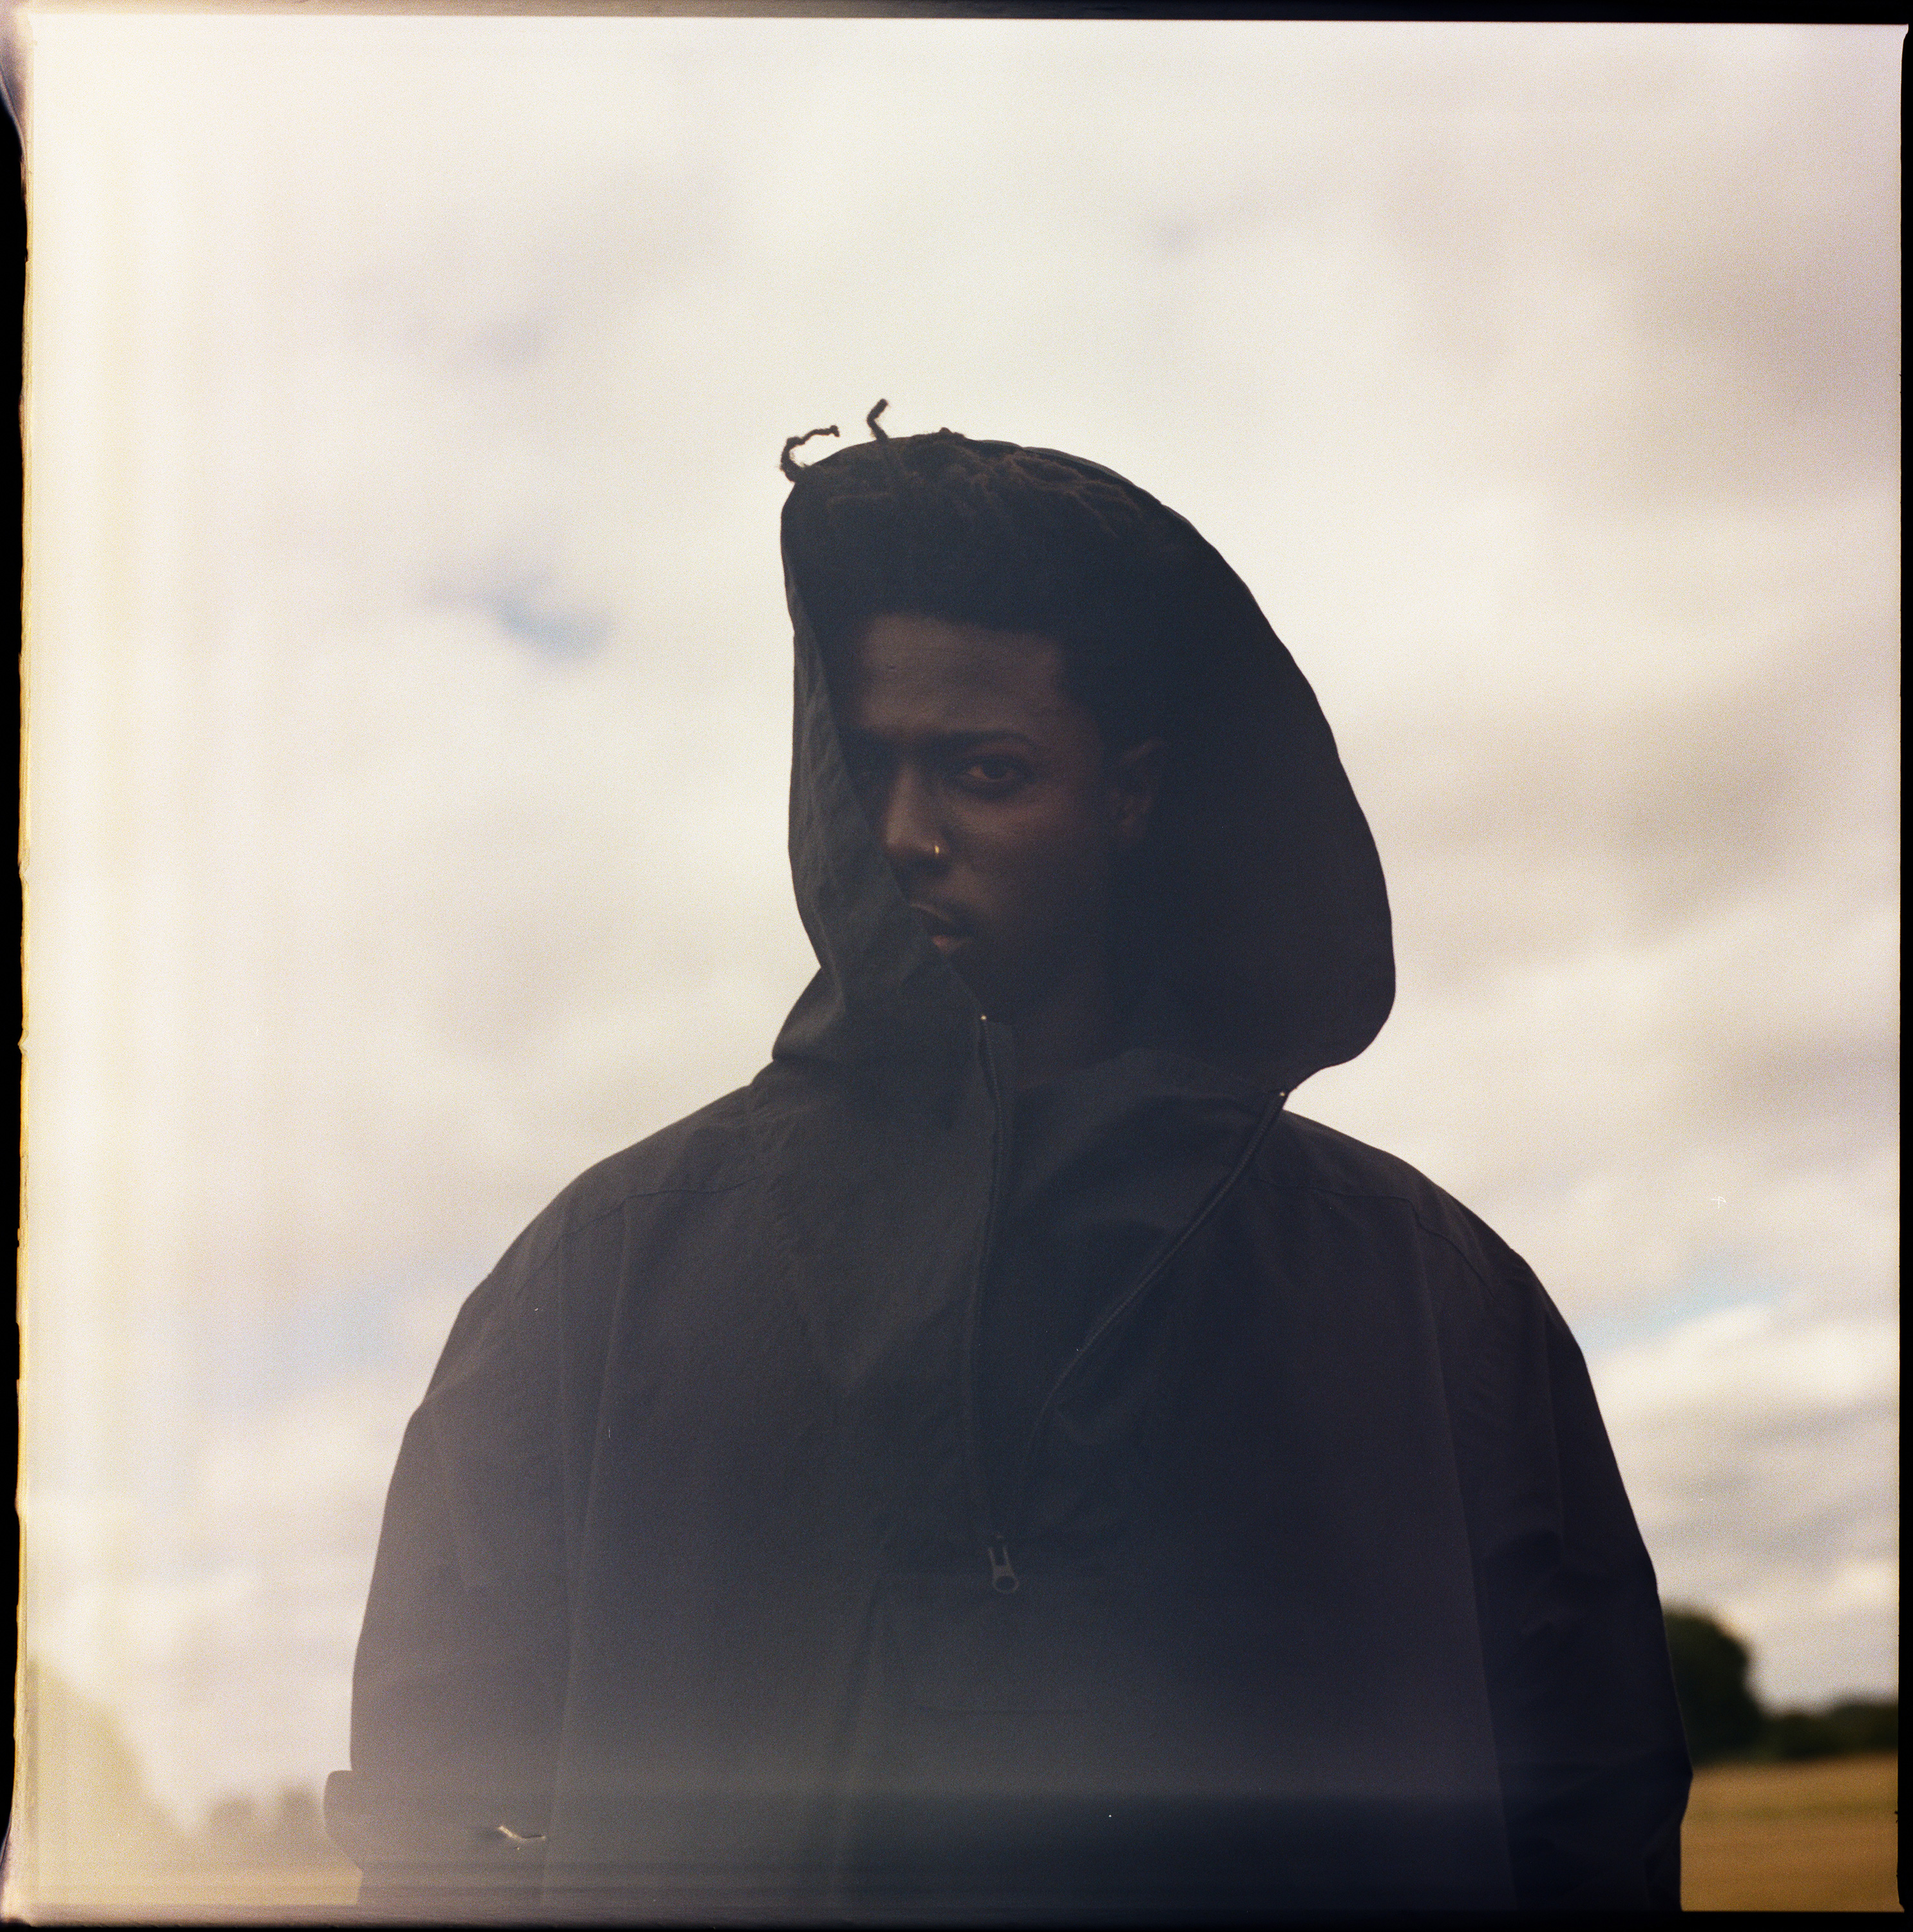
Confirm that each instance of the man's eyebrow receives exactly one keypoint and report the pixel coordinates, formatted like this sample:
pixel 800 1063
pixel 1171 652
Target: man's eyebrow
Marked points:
pixel 962 741
pixel 949 743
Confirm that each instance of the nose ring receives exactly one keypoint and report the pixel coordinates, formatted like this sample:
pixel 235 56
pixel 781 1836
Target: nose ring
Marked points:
pixel 936 851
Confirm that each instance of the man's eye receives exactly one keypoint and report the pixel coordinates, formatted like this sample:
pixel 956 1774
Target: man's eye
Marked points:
pixel 992 775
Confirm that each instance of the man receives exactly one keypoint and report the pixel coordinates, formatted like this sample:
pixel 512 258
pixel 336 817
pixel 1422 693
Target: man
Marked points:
pixel 1002 1462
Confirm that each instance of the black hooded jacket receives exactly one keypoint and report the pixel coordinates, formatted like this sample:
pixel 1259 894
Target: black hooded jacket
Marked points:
pixel 885 1495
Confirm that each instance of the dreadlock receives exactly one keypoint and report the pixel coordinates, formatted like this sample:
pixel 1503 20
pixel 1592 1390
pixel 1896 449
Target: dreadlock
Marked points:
pixel 942 526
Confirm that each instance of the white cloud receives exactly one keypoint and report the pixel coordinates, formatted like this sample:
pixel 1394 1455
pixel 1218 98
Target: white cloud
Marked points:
pixel 1758 1445
pixel 216 1609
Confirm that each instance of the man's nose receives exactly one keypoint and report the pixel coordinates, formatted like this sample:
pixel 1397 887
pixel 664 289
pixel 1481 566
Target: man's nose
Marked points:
pixel 909 826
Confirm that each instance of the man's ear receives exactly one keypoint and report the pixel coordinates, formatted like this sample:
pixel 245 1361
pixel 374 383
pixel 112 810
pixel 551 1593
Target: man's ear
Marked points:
pixel 1135 778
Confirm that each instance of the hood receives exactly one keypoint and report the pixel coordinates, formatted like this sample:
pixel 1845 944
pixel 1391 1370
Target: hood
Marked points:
pixel 1267 916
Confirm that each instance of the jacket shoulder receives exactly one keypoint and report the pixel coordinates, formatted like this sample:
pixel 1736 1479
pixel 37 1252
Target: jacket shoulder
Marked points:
pixel 707 1153
pixel 1307 1156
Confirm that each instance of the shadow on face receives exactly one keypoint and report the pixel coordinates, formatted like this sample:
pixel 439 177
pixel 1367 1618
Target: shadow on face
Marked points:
pixel 997 804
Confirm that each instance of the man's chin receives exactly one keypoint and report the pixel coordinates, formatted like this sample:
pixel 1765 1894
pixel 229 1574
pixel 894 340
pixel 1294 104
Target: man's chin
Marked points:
pixel 960 950
pixel 1002 995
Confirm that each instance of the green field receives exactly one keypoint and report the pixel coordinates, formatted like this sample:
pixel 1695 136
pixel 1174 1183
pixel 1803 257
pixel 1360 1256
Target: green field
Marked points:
pixel 1818 1836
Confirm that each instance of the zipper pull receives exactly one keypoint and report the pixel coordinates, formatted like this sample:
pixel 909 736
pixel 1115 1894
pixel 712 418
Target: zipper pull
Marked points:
pixel 1001 1576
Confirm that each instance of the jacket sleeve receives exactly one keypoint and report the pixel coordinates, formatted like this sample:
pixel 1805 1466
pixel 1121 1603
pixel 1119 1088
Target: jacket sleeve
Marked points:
pixel 1594 1764
pixel 459 1682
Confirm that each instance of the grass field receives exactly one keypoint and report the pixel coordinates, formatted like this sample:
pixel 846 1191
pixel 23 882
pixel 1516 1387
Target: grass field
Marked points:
pixel 1819 1836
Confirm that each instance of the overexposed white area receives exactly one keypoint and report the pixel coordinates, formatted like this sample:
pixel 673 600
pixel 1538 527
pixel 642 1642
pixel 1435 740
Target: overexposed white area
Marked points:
pixel 409 695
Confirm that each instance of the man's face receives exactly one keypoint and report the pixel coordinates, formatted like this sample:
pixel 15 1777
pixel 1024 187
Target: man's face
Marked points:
pixel 989 787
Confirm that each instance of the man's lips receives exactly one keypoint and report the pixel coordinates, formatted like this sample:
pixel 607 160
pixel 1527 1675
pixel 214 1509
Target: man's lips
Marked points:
pixel 946 932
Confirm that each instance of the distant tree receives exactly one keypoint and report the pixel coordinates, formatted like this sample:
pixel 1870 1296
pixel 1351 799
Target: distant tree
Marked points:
pixel 231 1822
pixel 1859 1724
pixel 297 1834
pixel 1722 1716
pixel 238 1831
pixel 89 1827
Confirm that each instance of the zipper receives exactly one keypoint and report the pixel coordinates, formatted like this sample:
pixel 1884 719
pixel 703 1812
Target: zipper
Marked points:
pixel 1002 1572
pixel 1112 1316
pixel 1003 1577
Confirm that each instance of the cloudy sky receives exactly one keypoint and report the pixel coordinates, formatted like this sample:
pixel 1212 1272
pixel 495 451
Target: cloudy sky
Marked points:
pixel 409 694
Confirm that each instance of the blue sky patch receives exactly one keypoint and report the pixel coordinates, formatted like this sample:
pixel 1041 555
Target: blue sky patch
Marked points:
pixel 531 612
pixel 1708 1290
pixel 531 608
